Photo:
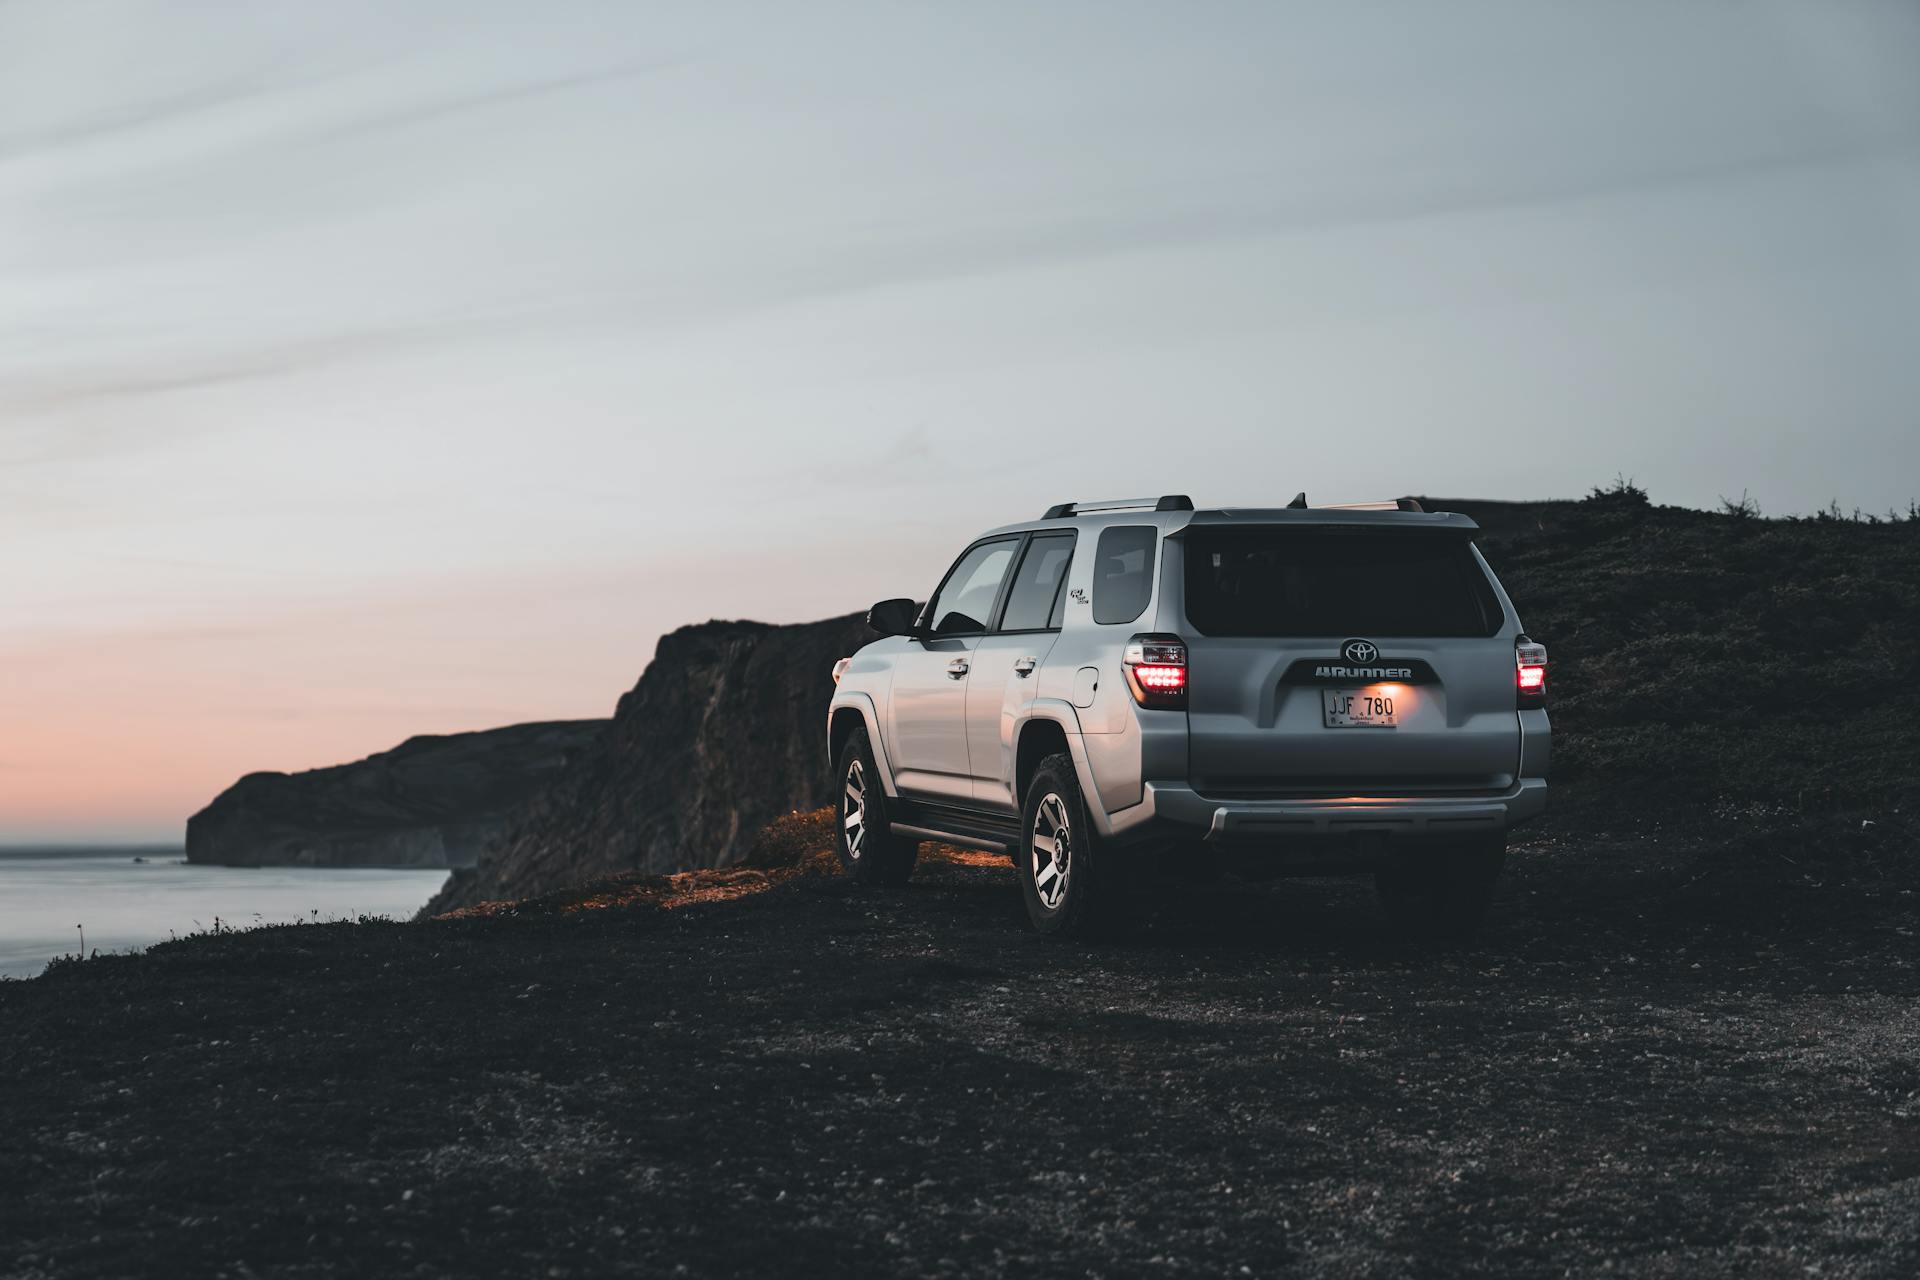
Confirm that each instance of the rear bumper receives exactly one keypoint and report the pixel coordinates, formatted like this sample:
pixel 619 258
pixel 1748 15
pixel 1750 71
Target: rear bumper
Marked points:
pixel 1174 809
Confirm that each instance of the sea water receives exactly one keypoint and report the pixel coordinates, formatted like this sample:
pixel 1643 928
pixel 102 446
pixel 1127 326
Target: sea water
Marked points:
pixel 47 895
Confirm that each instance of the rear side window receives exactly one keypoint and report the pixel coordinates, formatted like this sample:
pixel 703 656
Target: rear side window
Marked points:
pixel 1298 582
pixel 1122 573
pixel 1034 600
pixel 967 596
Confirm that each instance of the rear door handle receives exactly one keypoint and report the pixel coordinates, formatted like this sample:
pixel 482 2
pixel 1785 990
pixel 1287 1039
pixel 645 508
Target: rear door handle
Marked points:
pixel 957 668
pixel 1023 667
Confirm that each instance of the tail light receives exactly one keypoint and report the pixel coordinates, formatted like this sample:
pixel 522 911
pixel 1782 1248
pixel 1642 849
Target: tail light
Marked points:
pixel 1530 672
pixel 1156 670
pixel 840 668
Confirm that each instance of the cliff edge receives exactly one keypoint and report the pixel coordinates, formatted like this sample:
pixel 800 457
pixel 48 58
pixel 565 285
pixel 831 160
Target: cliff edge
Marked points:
pixel 725 731
pixel 433 801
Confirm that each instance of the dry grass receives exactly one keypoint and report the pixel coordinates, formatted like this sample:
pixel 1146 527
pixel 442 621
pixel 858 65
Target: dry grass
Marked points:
pixel 791 846
pixel 955 856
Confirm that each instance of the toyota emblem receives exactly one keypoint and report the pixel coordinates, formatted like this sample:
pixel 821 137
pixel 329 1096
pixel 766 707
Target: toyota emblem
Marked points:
pixel 1360 652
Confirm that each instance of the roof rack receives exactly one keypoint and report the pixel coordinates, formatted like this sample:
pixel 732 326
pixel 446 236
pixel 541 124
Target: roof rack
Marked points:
pixel 1299 503
pixel 1166 502
pixel 1181 502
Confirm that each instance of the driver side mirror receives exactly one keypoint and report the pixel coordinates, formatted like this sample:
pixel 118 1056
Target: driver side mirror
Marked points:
pixel 894 617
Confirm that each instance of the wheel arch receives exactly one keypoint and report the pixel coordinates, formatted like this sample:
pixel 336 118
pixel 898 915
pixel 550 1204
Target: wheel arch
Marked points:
pixel 847 712
pixel 1040 737
pixel 1050 726
pixel 1062 734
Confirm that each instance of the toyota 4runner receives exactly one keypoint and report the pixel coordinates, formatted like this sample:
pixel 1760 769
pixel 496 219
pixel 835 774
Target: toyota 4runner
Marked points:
pixel 1121 690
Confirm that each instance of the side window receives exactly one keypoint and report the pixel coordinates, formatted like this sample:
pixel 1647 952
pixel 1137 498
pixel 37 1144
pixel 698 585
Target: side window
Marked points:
pixel 1036 584
pixel 967 597
pixel 1123 573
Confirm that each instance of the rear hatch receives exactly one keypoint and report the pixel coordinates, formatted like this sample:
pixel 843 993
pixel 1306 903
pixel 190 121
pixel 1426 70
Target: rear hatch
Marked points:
pixel 1328 660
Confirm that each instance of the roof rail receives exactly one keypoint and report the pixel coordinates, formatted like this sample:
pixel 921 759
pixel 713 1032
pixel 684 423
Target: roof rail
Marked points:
pixel 1299 503
pixel 1166 502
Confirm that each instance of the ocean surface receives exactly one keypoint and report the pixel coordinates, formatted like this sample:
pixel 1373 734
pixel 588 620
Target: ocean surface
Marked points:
pixel 127 905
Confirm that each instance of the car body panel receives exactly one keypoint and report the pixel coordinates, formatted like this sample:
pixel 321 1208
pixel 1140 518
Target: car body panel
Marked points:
pixel 997 701
pixel 926 717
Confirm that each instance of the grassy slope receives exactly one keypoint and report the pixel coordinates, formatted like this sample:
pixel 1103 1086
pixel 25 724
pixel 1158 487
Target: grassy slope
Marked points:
pixel 1704 660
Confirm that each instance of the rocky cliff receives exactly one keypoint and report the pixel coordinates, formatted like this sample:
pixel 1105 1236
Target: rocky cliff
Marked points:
pixel 432 801
pixel 725 731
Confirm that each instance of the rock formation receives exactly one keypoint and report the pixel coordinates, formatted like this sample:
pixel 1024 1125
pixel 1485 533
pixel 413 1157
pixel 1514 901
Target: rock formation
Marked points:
pixel 725 731
pixel 433 801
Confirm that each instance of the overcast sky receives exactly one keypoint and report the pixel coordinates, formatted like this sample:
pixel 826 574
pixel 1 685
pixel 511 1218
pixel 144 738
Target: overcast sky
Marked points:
pixel 379 368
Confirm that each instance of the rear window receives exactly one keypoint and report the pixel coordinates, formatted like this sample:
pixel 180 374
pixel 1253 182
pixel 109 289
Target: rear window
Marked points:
pixel 1297 582
pixel 1122 573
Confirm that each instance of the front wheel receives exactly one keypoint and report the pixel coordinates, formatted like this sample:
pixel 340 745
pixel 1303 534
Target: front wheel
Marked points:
pixel 869 851
pixel 1074 886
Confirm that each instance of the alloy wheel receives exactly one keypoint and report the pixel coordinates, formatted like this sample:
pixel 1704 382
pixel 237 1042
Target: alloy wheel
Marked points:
pixel 853 810
pixel 1052 845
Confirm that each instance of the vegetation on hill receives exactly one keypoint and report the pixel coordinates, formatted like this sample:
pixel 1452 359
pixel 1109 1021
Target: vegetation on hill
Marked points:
pixel 1717 660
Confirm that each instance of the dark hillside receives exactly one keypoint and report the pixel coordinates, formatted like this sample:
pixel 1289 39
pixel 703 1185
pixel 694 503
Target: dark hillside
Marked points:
pixel 725 731
pixel 437 800
pixel 1705 659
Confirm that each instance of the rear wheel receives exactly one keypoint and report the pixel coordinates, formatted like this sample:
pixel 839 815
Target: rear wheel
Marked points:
pixel 1441 893
pixel 869 851
pixel 1073 885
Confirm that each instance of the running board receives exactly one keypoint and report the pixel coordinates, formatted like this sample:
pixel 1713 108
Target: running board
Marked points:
pixel 955 824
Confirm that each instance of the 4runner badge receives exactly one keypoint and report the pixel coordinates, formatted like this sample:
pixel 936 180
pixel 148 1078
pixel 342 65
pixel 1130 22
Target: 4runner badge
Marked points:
pixel 1360 651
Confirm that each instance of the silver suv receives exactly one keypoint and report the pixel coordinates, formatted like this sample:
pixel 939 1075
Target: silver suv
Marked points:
pixel 1121 691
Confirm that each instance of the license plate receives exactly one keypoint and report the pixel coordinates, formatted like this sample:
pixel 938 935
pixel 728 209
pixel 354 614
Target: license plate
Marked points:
pixel 1361 708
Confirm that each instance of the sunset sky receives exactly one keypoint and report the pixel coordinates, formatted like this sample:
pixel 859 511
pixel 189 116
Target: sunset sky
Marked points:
pixel 364 375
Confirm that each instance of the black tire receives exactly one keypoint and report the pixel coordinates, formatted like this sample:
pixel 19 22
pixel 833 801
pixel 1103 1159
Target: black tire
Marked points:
pixel 1441 893
pixel 869 851
pixel 1087 893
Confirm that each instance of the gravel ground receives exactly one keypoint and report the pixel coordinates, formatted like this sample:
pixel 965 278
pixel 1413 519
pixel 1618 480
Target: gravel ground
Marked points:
pixel 1657 1061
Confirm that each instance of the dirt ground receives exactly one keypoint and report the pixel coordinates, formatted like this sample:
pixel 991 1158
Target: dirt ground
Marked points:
pixel 1660 1060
